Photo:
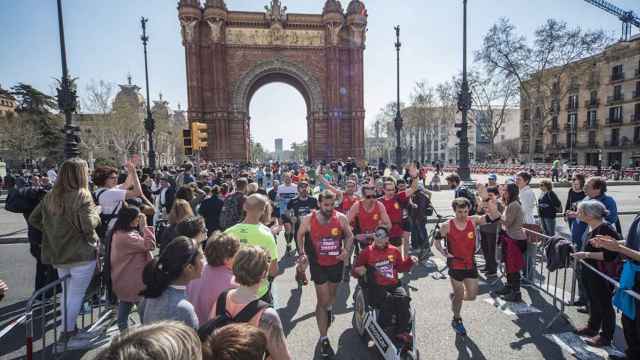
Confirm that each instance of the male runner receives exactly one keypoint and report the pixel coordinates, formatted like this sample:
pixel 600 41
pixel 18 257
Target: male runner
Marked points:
pixel 367 213
pixel 460 235
pixel 394 202
pixel 346 198
pixel 285 193
pixel 330 241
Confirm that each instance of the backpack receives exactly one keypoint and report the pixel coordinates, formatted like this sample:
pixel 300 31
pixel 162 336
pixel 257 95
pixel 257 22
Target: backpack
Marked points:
pixel 469 195
pixel 231 212
pixel 224 318
pixel 105 219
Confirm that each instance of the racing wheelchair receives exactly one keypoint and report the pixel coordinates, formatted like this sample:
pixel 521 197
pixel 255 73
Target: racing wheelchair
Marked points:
pixel 366 322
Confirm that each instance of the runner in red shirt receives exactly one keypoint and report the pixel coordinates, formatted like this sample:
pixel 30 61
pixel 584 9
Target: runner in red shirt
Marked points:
pixel 345 198
pixel 330 244
pixel 395 202
pixel 460 235
pixel 386 291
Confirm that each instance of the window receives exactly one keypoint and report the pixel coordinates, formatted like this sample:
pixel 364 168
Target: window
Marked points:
pixel 573 102
pixel 571 139
pixel 636 93
pixel 592 138
pixel 554 139
pixel 592 119
pixel 593 96
pixel 527 115
pixel 617 92
pixel 636 135
pixel 617 73
pixel 538 115
pixel 572 121
pixel 554 123
pixel 636 115
pixel 615 114
pixel 615 136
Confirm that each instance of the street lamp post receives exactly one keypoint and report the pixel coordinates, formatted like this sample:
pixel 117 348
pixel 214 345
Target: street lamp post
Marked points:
pixel 149 123
pixel 398 119
pixel 464 105
pixel 67 98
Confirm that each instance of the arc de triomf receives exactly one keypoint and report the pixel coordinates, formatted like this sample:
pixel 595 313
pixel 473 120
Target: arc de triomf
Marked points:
pixel 231 54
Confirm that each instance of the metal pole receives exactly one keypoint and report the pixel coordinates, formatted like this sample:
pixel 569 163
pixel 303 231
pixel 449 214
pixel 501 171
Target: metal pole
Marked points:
pixel 398 118
pixel 464 105
pixel 67 98
pixel 149 123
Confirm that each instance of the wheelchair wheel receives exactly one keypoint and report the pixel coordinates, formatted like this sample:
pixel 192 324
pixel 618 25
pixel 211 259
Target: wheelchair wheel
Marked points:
pixel 359 312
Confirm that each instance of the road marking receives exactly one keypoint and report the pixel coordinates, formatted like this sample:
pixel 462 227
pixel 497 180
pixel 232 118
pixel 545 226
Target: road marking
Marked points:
pixel 511 308
pixel 576 346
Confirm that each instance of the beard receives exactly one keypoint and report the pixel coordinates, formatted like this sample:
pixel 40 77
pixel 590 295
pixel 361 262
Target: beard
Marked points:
pixel 326 213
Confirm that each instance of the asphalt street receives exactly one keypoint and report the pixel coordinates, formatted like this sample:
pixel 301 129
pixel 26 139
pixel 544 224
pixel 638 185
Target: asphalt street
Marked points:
pixel 496 331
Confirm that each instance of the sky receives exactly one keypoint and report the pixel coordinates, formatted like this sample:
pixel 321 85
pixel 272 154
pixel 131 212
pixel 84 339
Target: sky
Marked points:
pixel 103 43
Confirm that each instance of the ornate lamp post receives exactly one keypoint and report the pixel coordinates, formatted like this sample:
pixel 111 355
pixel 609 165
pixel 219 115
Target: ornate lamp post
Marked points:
pixel 464 105
pixel 149 123
pixel 398 119
pixel 67 98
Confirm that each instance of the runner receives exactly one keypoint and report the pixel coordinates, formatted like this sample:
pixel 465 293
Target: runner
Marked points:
pixel 366 214
pixel 346 198
pixel 297 208
pixel 330 244
pixel 284 194
pixel 460 235
pixel 395 203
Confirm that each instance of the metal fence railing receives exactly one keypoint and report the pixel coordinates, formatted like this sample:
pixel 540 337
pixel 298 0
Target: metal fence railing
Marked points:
pixel 44 323
pixel 559 283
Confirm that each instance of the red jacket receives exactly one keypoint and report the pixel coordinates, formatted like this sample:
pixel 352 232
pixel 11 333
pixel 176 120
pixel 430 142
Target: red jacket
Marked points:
pixel 387 261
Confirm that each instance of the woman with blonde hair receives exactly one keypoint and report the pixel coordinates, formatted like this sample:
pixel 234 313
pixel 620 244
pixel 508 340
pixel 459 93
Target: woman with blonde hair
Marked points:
pixel 164 340
pixel 68 217
pixel 180 211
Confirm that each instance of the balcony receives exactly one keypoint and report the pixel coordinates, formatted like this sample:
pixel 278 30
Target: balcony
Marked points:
pixel 636 94
pixel 554 129
pixel 619 76
pixel 572 107
pixel 638 72
pixel 568 127
pixel 556 146
pixel 635 117
pixel 615 99
pixel 612 143
pixel 614 121
pixel 592 103
pixel 590 125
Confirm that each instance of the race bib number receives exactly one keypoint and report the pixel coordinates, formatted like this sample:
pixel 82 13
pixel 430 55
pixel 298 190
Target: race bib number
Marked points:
pixel 329 247
pixel 385 268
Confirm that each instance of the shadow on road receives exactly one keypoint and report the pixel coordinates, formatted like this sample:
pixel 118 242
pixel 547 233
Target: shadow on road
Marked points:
pixel 467 349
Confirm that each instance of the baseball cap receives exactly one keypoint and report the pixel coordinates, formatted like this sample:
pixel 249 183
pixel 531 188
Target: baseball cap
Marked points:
pixel 493 177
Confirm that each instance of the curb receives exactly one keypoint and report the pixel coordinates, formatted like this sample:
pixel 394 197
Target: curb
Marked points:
pixel 13 240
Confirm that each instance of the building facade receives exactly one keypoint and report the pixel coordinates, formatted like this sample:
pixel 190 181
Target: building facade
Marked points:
pixel 593 114
pixel 7 102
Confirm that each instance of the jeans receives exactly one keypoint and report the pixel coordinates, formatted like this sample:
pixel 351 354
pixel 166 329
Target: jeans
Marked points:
pixel 530 260
pixel 549 226
pixel 74 289
pixel 124 309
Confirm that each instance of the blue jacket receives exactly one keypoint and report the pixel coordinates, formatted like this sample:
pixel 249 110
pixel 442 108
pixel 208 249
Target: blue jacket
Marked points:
pixel 578 229
pixel 622 300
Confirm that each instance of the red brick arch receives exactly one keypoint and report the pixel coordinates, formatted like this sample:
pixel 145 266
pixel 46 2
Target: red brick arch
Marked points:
pixel 231 54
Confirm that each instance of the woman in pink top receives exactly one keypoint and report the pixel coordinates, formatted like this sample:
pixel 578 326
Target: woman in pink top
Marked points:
pixel 131 247
pixel 250 267
pixel 216 276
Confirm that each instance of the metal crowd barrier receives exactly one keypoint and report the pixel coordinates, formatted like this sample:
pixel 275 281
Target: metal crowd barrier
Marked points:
pixel 549 281
pixel 43 318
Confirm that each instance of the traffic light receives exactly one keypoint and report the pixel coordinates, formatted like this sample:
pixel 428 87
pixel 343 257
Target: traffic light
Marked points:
pixel 186 141
pixel 199 135
pixel 459 132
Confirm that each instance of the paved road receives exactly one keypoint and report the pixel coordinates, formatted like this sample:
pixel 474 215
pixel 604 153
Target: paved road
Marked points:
pixel 493 333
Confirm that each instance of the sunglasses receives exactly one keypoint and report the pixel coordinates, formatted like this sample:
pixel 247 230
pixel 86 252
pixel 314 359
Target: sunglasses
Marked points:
pixel 370 197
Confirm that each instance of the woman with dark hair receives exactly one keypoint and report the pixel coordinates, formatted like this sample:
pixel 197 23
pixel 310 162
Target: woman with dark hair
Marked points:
pixel 166 278
pixel 192 227
pixel 576 194
pixel 513 241
pixel 131 247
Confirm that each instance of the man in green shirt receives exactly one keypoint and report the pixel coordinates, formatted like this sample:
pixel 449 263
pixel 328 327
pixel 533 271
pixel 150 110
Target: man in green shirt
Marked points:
pixel 252 232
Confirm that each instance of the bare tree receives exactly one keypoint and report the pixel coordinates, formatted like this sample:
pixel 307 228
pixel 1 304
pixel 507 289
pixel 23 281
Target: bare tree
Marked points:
pixel 423 101
pixel 551 56
pixel 492 97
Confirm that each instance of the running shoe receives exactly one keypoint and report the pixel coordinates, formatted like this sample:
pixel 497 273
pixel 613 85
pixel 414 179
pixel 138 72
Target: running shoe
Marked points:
pixel 458 326
pixel 325 350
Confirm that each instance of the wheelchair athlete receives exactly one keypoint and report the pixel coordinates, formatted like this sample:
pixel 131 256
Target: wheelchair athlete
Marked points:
pixel 380 263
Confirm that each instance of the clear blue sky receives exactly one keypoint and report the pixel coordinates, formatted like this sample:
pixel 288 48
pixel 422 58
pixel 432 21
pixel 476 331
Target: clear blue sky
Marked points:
pixel 103 44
